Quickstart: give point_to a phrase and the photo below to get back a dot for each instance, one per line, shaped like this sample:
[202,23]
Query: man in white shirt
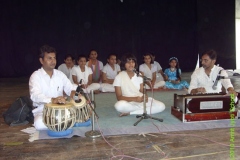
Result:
[204,79]
[46,85]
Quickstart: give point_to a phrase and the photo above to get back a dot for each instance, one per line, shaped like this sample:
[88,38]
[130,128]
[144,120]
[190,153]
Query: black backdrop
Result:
[181,28]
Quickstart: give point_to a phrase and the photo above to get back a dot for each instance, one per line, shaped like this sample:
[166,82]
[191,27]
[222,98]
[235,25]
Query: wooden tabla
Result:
[59,117]
[82,110]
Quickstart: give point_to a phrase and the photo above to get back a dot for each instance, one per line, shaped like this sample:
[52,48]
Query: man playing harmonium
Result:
[209,78]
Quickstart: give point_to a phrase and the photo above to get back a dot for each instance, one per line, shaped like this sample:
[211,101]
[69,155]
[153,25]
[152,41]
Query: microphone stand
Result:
[86,97]
[93,133]
[145,115]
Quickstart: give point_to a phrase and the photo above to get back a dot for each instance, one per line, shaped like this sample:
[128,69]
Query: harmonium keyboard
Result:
[203,107]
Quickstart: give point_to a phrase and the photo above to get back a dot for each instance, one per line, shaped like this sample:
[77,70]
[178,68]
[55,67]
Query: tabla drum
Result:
[82,110]
[59,117]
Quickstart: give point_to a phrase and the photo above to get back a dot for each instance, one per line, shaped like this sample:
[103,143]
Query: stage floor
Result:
[188,145]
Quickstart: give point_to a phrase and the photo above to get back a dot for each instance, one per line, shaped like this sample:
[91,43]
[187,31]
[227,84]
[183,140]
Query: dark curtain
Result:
[180,28]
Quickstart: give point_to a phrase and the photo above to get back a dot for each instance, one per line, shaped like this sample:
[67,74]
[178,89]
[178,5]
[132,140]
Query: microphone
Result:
[135,71]
[139,75]
[214,87]
[78,91]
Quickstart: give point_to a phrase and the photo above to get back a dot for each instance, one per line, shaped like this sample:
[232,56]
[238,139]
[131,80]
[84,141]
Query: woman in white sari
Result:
[129,90]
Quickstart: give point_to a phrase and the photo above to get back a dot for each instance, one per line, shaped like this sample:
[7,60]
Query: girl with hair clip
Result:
[129,90]
[83,74]
[149,70]
[172,76]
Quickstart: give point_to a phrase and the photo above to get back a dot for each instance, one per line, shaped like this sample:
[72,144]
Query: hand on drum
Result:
[59,100]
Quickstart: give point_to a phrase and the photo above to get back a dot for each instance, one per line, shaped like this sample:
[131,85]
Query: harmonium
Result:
[203,107]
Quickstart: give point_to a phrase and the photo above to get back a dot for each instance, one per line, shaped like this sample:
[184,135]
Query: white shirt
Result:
[42,87]
[146,70]
[135,79]
[110,73]
[82,75]
[63,67]
[67,71]
[158,65]
[200,79]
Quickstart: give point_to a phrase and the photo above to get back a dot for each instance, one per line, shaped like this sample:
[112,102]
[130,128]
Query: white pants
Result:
[93,86]
[38,119]
[157,85]
[105,87]
[137,108]
[159,77]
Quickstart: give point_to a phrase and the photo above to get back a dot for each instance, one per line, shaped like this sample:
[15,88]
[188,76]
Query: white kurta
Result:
[110,74]
[130,88]
[67,71]
[84,76]
[200,79]
[148,73]
[42,88]
[159,77]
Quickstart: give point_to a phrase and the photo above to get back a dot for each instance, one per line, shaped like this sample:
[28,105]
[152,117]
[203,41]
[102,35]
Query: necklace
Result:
[172,69]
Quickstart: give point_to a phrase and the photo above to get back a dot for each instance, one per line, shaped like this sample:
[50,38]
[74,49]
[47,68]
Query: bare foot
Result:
[185,89]
[96,91]
[124,114]
[162,87]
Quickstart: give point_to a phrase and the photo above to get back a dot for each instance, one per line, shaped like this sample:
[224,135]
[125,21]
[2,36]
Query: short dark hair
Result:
[91,51]
[125,58]
[150,55]
[69,55]
[46,49]
[82,56]
[211,53]
[111,54]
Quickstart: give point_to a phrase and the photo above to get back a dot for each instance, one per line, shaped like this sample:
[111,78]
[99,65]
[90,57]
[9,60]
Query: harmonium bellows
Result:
[200,107]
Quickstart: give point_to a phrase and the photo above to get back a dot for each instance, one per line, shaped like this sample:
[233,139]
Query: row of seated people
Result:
[94,76]
[47,84]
